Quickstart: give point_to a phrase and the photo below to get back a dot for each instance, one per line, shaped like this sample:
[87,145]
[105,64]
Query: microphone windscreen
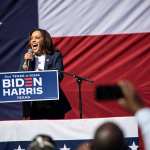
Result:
[30,50]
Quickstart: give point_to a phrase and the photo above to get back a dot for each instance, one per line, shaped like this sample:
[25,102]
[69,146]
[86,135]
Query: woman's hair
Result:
[47,46]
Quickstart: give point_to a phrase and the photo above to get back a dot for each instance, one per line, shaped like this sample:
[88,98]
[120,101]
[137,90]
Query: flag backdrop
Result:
[103,40]
[67,133]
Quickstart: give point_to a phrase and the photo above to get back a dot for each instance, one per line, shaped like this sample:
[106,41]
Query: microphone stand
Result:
[79,80]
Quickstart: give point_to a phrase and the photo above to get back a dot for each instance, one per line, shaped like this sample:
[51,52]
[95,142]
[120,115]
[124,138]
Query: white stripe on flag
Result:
[91,17]
[62,129]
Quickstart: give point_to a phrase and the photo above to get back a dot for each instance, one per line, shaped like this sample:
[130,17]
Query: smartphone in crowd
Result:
[108,92]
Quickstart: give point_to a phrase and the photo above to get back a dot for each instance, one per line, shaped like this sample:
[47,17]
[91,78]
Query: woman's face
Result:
[36,42]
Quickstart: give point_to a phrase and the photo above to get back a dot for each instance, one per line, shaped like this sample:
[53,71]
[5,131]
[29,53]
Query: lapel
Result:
[48,62]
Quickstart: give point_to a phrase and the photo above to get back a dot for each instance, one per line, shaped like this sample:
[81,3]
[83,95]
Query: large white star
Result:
[133,146]
[19,148]
[65,147]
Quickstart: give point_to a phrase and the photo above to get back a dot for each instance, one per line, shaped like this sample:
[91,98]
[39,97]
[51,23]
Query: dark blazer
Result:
[48,109]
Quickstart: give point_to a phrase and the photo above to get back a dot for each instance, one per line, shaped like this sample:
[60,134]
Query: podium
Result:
[29,86]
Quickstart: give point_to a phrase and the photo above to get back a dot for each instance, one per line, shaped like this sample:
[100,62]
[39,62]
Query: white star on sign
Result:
[19,148]
[133,146]
[65,147]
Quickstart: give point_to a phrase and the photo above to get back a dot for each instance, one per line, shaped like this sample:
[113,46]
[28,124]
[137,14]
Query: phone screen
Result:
[108,92]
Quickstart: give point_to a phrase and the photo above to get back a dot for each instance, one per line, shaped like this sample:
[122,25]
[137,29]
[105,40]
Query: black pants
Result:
[51,111]
[47,109]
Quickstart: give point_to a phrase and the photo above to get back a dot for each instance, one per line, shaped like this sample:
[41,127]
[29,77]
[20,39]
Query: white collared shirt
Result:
[39,62]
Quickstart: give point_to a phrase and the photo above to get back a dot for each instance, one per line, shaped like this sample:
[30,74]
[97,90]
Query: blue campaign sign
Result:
[29,86]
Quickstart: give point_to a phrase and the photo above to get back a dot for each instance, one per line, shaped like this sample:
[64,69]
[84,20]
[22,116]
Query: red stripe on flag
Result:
[28,82]
[28,85]
[104,59]
[28,78]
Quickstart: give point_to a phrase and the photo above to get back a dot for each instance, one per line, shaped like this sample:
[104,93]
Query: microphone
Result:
[27,61]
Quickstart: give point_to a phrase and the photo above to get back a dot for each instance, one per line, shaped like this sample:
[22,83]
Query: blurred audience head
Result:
[84,146]
[108,136]
[42,142]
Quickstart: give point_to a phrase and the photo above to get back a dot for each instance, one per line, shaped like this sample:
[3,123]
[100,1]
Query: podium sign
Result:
[29,86]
